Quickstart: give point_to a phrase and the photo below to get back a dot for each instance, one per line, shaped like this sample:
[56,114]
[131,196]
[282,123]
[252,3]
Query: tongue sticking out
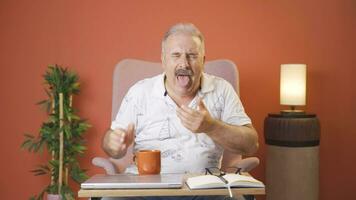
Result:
[183,81]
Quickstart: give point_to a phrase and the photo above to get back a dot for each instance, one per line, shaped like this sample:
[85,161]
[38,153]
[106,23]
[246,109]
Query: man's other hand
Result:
[197,121]
[116,142]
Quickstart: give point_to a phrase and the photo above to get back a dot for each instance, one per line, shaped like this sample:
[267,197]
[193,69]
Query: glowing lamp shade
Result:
[293,84]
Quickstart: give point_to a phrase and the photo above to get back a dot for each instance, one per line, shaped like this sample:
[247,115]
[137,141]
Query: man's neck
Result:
[180,99]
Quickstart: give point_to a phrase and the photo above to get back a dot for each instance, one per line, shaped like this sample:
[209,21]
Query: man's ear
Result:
[204,63]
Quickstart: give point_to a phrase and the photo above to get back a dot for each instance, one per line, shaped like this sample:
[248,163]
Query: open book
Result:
[233,180]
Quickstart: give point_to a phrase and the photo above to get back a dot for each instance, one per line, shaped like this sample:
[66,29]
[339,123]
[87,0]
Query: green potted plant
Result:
[61,135]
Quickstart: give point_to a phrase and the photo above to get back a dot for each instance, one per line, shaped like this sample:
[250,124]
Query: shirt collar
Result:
[158,88]
[206,85]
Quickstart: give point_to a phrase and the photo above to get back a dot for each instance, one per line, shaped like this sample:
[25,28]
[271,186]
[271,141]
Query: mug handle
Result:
[134,159]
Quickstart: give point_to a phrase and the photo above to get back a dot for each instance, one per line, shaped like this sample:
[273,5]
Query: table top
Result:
[184,191]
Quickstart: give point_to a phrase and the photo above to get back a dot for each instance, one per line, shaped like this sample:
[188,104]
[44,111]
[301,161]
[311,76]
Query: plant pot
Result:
[53,197]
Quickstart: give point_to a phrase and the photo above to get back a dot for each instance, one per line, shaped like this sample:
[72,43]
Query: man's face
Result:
[183,63]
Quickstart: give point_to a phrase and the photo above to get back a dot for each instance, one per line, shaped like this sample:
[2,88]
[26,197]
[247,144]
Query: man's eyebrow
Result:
[188,53]
[175,53]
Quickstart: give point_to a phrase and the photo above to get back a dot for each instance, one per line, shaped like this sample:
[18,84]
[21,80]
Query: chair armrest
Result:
[104,163]
[248,164]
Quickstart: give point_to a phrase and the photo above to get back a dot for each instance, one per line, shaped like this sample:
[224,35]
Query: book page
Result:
[205,181]
[242,180]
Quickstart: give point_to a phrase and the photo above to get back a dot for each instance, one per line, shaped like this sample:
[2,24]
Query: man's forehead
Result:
[178,49]
[180,41]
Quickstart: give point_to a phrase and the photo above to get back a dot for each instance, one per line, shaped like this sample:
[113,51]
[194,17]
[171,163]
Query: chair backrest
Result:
[128,71]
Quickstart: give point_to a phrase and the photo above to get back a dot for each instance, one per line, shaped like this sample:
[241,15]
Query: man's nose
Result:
[183,61]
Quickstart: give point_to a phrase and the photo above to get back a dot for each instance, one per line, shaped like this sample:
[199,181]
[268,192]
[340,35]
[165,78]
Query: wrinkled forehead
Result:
[183,42]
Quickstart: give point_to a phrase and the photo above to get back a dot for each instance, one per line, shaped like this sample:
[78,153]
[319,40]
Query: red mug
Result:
[148,161]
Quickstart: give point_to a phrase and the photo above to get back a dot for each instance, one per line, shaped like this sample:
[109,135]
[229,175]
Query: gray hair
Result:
[184,28]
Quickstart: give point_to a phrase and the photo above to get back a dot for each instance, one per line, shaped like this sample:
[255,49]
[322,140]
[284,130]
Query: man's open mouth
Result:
[183,77]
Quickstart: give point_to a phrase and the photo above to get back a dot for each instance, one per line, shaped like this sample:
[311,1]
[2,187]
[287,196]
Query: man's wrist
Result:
[214,127]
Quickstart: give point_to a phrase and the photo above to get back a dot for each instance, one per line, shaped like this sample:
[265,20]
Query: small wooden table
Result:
[184,191]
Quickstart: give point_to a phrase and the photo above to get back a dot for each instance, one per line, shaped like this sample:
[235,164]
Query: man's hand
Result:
[197,121]
[116,142]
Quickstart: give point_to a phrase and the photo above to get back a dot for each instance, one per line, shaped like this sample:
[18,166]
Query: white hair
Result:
[184,28]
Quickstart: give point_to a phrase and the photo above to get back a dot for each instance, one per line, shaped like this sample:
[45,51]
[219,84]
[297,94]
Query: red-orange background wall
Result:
[90,37]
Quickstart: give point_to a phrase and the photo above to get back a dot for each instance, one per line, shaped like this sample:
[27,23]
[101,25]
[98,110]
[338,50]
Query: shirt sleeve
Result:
[127,112]
[234,112]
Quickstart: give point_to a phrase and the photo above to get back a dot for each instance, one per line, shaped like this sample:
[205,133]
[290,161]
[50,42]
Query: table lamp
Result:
[292,138]
[293,87]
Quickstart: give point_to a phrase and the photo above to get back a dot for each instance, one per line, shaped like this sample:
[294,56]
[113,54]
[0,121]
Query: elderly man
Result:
[190,116]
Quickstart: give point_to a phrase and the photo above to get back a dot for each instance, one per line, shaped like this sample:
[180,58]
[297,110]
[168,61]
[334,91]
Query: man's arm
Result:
[116,142]
[237,139]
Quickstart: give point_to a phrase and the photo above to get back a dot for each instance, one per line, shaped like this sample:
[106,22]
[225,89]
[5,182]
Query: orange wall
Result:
[92,36]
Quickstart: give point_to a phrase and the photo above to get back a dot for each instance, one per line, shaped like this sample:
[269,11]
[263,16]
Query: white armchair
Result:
[129,71]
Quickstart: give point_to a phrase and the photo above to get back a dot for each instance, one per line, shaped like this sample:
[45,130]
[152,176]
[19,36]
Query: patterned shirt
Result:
[157,126]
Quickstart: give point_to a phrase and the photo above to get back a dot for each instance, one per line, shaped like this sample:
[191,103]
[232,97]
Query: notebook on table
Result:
[131,181]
